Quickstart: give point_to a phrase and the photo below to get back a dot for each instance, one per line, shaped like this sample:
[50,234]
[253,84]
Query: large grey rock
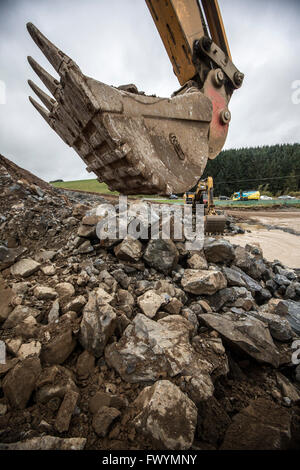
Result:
[150,302]
[47,443]
[245,333]
[161,255]
[53,314]
[149,349]
[232,297]
[166,416]
[218,250]
[59,347]
[103,419]
[19,314]
[29,349]
[287,388]
[206,282]
[20,381]
[9,256]
[129,250]
[65,290]
[53,383]
[281,280]
[6,295]
[260,294]
[66,410]
[234,278]
[293,314]
[75,305]
[25,267]
[263,425]
[252,265]
[86,231]
[279,327]
[197,261]
[125,301]
[97,325]
[44,293]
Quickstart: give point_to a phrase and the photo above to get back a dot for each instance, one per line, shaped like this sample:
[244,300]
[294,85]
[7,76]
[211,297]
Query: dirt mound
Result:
[18,173]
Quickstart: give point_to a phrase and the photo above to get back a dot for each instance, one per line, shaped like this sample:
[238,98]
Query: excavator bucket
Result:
[134,143]
[214,224]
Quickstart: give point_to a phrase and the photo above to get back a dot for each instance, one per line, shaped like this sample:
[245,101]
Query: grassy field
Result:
[86,185]
[93,185]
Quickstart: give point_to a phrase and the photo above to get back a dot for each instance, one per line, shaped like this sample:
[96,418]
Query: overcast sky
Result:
[116,42]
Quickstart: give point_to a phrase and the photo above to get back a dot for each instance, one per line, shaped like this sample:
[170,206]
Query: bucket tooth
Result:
[50,82]
[46,99]
[51,52]
[43,112]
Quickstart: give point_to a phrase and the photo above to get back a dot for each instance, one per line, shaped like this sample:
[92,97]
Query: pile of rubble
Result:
[139,344]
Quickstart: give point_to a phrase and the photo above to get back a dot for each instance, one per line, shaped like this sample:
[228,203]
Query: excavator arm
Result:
[180,23]
[145,144]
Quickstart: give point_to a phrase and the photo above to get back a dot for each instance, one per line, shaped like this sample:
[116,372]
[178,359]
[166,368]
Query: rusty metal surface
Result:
[218,128]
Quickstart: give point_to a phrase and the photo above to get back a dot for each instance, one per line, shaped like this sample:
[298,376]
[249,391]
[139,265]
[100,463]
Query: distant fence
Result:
[260,202]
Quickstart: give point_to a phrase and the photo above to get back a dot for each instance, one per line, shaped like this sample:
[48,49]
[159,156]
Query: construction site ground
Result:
[277,232]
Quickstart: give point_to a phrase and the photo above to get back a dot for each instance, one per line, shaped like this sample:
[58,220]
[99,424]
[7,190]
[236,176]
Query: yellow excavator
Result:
[144,144]
[214,222]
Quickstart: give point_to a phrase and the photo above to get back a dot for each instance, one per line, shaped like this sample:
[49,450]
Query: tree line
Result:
[274,170]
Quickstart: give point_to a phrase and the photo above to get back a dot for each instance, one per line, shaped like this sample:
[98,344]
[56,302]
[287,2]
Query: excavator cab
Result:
[144,144]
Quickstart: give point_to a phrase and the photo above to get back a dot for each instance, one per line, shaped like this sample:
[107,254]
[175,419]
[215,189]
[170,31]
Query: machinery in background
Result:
[246,196]
[214,222]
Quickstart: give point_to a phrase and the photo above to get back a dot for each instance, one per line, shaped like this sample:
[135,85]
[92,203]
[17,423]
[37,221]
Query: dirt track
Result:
[276,243]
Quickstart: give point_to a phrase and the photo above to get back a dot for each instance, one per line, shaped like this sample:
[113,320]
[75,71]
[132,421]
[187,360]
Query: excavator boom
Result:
[144,144]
